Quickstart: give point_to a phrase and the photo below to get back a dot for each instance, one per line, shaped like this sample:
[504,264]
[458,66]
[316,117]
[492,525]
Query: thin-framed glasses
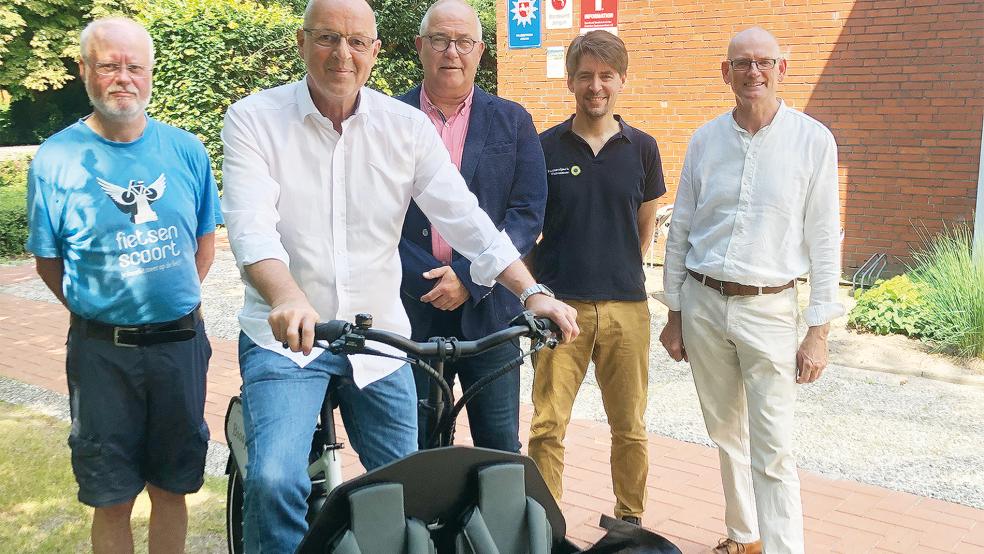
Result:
[113,68]
[742,64]
[441,43]
[331,39]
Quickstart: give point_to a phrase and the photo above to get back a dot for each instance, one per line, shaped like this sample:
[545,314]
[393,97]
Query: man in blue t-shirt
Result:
[122,212]
[603,179]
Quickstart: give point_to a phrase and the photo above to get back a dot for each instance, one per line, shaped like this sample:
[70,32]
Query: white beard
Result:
[112,112]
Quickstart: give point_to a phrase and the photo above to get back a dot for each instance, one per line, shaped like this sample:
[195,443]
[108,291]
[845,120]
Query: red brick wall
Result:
[900,84]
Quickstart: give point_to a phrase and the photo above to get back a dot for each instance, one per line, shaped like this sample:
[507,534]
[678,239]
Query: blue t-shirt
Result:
[125,218]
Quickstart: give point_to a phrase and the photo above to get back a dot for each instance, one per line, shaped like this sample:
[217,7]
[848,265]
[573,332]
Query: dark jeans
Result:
[493,414]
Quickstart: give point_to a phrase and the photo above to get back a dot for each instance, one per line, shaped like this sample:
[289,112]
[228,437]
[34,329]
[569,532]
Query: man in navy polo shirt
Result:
[122,213]
[603,180]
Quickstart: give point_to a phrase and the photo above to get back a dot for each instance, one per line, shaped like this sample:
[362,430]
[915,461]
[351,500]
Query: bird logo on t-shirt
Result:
[136,198]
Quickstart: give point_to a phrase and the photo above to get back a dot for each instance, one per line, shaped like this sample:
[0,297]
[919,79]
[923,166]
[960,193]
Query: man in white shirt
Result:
[318,176]
[757,206]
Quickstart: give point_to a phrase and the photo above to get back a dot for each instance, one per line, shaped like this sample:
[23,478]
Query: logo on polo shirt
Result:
[574,170]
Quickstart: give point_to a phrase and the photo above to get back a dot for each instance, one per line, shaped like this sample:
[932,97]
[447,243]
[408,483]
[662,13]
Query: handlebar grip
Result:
[330,330]
[546,324]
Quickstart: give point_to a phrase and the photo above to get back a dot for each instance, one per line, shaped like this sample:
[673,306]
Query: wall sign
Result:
[560,14]
[599,14]
[555,62]
[524,23]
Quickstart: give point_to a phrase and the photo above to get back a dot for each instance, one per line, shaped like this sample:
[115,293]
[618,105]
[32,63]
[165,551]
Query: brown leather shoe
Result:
[729,546]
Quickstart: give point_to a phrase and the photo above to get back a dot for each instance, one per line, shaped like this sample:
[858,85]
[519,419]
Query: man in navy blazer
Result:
[495,146]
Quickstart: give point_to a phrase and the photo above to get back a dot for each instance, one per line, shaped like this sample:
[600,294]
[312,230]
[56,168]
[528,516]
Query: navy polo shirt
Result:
[590,248]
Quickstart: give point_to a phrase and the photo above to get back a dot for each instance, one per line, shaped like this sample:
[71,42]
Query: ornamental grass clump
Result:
[954,290]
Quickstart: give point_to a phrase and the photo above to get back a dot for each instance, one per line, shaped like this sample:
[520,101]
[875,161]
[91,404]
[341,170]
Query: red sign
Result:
[599,14]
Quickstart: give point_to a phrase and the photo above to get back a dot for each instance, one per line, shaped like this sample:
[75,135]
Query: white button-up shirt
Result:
[759,210]
[331,207]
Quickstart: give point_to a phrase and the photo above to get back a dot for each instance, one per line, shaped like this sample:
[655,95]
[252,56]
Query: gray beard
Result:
[110,113]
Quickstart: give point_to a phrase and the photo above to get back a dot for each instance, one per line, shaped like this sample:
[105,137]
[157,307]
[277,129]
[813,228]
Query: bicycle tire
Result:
[234,511]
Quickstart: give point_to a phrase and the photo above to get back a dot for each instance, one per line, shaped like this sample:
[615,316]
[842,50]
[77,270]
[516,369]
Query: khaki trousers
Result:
[615,336]
[742,350]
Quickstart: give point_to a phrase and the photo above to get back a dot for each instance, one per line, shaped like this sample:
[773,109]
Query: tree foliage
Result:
[211,53]
[39,41]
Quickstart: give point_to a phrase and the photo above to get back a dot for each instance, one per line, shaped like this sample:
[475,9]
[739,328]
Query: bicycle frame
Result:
[348,339]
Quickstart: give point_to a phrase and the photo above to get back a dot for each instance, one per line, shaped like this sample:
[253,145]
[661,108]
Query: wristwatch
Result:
[535,289]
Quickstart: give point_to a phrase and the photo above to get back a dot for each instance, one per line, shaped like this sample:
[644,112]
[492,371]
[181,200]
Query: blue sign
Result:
[524,23]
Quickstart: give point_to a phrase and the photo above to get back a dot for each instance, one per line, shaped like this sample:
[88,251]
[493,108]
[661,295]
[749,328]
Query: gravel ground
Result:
[904,433]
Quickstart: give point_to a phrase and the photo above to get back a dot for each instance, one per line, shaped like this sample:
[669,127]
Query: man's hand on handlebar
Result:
[563,315]
[292,322]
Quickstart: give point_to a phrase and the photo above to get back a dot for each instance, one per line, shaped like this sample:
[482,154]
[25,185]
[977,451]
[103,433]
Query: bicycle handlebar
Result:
[333,331]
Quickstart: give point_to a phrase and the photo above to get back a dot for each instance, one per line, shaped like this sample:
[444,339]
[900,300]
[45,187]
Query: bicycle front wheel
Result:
[234,510]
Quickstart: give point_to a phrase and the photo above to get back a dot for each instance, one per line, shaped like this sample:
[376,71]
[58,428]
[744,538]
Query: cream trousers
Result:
[742,350]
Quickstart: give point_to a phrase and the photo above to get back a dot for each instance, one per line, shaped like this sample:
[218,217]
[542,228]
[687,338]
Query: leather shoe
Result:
[730,546]
[634,520]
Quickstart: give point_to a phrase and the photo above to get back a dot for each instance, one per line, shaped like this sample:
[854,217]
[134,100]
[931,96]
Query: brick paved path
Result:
[685,500]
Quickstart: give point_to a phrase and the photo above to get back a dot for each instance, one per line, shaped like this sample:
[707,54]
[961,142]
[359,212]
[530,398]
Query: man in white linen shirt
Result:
[318,176]
[757,206]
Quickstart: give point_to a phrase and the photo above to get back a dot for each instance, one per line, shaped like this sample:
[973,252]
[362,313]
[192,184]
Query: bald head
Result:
[452,9]
[354,11]
[754,69]
[112,29]
[754,38]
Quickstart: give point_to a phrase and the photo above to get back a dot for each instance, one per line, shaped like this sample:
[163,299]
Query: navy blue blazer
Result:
[503,165]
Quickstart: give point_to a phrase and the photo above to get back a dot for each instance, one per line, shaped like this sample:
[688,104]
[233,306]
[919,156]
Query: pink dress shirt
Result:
[453,131]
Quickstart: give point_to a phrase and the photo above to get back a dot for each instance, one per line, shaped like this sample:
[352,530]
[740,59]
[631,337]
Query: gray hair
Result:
[425,22]
[95,25]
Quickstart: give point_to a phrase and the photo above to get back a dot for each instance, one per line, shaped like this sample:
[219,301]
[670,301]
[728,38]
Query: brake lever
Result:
[349,343]
[536,333]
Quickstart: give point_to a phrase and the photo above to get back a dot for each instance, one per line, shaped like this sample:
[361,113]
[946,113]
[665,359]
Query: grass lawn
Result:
[39,510]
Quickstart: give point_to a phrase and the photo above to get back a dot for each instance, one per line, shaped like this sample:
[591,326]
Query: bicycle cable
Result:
[484,382]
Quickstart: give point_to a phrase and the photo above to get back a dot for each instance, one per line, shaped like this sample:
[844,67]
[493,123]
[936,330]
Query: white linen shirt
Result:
[759,210]
[331,207]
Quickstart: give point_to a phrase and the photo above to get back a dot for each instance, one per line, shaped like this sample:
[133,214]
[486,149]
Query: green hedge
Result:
[13,206]
[211,53]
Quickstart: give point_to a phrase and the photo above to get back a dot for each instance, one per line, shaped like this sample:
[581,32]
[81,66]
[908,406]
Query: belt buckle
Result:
[116,336]
[721,288]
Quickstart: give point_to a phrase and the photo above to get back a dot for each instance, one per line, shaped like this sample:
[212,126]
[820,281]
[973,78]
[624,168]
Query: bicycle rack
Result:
[868,274]
[662,228]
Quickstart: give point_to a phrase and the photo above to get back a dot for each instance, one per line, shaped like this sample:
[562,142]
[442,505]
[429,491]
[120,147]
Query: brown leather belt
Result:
[181,329]
[728,288]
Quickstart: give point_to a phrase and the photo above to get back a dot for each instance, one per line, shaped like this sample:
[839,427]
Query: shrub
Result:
[13,206]
[954,290]
[895,306]
[211,53]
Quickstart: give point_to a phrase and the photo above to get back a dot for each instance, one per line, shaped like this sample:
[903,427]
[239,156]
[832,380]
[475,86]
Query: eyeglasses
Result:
[331,39]
[112,68]
[742,64]
[441,43]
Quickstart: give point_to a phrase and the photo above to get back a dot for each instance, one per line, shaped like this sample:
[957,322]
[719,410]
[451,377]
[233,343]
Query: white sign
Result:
[555,62]
[560,14]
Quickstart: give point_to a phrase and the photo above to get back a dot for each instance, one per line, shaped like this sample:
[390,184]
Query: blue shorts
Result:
[137,416]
